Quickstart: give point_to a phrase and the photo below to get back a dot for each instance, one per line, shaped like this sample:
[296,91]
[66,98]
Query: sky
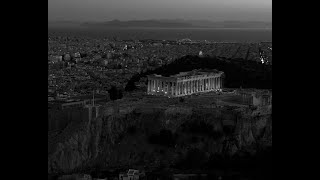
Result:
[105,10]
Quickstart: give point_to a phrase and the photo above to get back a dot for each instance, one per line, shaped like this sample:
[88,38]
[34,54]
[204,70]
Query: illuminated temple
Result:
[185,83]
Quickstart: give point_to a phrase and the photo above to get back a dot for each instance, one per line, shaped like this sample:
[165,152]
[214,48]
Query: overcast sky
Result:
[103,10]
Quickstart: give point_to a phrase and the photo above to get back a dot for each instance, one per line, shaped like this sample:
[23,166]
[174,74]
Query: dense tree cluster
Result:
[115,93]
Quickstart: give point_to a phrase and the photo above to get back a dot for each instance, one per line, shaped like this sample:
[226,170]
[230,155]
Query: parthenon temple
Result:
[185,83]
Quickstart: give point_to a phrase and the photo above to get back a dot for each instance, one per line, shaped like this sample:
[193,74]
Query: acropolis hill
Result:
[213,121]
[133,130]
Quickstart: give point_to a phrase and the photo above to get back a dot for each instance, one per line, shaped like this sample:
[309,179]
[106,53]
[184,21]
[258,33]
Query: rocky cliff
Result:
[141,134]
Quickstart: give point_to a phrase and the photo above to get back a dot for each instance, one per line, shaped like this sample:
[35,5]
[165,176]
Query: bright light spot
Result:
[262,60]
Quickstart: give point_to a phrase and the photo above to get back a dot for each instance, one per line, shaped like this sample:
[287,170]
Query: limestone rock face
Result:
[120,137]
[76,148]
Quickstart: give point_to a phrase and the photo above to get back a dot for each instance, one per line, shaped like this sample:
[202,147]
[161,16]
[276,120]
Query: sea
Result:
[209,34]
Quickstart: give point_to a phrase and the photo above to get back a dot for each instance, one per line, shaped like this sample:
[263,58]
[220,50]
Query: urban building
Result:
[185,83]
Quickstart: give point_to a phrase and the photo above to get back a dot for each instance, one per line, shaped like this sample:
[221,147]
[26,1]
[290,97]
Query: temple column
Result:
[212,83]
[202,84]
[192,86]
[149,85]
[216,83]
[162,86]
[183,88]
[186,88]
[172,90]
[207,84]
[155,85]
[197,82]
[175,88]
[167,87]
[213,87]
[196,87]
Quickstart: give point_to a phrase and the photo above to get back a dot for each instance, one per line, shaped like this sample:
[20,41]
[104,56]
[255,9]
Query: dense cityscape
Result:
[78,66]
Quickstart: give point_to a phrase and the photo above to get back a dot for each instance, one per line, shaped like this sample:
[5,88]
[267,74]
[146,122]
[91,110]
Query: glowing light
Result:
[262,60]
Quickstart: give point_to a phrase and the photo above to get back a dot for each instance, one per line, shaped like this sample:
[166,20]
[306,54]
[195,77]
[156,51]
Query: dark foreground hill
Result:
[157,132]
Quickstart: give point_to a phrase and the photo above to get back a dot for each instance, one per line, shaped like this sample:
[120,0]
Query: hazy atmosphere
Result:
[105,10]
[159,90]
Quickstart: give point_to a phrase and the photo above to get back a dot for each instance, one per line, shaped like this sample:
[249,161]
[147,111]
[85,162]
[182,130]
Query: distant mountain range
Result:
[164,23]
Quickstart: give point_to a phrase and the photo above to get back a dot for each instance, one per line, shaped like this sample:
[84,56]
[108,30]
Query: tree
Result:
[115,93]
[130,86]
